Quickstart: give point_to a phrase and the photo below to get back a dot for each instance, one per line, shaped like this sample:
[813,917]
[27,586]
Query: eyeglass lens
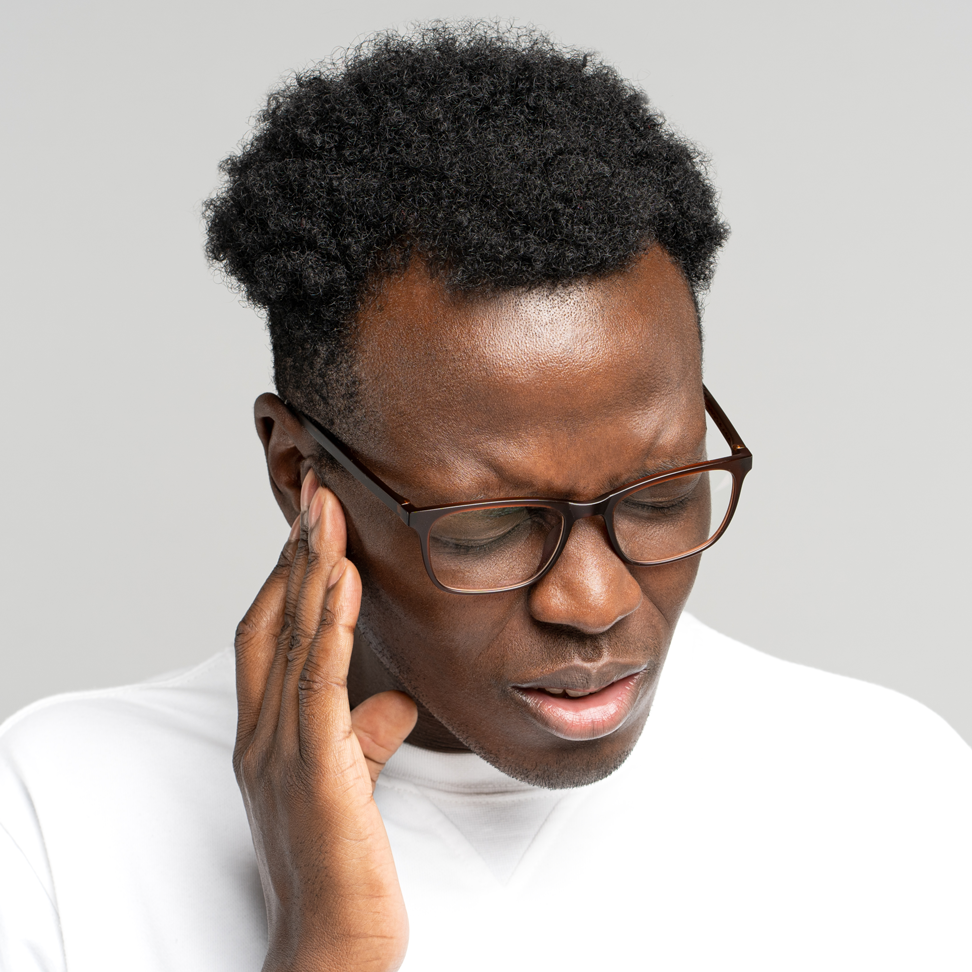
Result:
[475,550]
[671,518]
[500,547]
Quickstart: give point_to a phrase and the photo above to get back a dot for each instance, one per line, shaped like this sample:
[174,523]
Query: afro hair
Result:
[501,159]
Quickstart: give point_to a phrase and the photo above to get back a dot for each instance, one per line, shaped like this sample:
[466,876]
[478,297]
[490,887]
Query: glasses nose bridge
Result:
[584,511]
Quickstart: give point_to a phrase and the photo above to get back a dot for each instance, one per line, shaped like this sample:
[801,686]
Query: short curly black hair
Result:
[502,159]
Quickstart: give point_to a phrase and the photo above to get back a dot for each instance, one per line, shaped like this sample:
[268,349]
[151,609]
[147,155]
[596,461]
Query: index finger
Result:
[256,637]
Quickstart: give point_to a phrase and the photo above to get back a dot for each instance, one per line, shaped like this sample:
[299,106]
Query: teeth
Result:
[570,692]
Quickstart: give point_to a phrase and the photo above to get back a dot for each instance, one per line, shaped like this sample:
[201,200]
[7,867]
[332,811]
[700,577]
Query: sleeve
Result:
[30,931]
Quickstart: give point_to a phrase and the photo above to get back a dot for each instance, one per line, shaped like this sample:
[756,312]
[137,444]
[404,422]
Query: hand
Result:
[307,764]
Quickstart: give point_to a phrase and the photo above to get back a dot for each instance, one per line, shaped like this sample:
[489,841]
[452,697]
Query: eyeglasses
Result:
[500,545]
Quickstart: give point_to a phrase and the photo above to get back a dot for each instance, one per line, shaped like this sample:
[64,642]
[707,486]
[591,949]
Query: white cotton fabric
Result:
[771,817]
[498,816]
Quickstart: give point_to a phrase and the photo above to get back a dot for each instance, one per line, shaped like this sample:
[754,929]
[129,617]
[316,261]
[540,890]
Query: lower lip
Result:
[589,717]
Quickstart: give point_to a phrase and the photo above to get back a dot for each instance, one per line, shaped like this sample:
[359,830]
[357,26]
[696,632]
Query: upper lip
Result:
[583,678]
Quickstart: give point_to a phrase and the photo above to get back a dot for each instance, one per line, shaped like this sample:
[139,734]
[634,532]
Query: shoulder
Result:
[203,691]
[754,693]
[123,803]
[806,744]
[108,738]
[806,799]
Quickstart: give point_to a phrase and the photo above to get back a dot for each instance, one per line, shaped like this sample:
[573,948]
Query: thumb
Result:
[381,724]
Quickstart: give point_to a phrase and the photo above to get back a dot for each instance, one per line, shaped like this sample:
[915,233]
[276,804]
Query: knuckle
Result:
[246,631]
[328,619]
[280,574]
[331,624]
[245,765]
[315,680]
[287,638]
[238,768]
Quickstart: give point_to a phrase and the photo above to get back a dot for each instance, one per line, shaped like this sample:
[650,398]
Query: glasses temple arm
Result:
[336,449]
[723,423]
[401,506]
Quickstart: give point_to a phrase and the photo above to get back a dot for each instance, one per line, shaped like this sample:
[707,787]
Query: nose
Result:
[588,588]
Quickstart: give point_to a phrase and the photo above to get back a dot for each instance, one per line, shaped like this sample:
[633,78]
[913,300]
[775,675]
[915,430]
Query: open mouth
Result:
[570,693]
[572,713]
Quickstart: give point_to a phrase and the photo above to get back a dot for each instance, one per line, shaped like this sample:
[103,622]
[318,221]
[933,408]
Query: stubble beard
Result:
[570,765]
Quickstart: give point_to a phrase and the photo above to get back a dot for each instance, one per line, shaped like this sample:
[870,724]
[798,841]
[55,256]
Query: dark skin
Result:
[567,393]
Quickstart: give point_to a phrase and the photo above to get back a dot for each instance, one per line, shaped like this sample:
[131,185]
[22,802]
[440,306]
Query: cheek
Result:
[668,587]
[446,648]
[415,627]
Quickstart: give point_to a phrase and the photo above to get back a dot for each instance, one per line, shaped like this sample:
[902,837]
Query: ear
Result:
[288,449]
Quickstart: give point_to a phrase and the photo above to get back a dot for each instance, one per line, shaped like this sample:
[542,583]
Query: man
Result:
[481,260]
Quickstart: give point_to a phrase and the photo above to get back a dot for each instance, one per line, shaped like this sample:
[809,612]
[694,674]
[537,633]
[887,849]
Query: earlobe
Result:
[287,448]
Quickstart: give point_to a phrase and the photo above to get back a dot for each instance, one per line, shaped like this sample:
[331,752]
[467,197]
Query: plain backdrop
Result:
[136,520]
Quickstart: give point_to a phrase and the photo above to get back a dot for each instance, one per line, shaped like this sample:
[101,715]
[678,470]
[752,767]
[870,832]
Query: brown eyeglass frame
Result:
[738,464]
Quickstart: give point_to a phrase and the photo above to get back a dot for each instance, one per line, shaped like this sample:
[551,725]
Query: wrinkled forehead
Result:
[567,355]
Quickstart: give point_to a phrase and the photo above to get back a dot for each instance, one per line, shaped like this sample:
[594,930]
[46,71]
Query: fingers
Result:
[272,697]
[326,543]
[324,713]
[294,647]
[256,639]
[381,724]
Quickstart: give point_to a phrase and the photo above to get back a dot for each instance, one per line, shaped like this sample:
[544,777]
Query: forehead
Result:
[518,387]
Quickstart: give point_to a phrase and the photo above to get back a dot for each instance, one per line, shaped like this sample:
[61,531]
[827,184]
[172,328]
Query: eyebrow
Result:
[657,468]
[523,489]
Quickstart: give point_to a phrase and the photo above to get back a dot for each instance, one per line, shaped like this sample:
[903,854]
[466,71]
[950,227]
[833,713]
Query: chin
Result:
[564,767]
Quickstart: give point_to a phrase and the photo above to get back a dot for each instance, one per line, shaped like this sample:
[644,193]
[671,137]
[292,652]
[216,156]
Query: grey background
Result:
[136,522]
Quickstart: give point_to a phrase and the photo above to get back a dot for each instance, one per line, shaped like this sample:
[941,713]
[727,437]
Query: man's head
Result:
[481,259]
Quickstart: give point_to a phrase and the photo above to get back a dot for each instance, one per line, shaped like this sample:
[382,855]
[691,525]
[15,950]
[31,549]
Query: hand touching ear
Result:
[307,764]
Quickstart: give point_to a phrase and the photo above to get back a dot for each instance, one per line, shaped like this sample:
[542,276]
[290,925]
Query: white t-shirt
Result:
[771,817]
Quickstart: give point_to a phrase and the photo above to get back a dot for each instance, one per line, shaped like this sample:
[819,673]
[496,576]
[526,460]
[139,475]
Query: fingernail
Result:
[307,489]
[334,516]
[337,572]
[295,528]
[316,505]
